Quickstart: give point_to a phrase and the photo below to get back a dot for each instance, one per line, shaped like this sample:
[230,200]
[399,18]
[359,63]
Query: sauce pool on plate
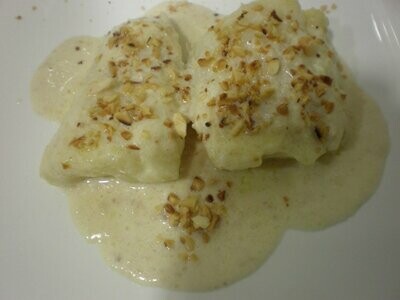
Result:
[210,227]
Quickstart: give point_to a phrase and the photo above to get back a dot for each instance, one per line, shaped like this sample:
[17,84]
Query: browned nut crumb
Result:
[283,109]
[170,244]
[173,199]
[328,106]
[169,209]
[201,222]
[275,16]
[112,67]
[124,117]
[180,124]
[168,123]
[221,195]
[210,198]
[126,135]
[133,147]
[273,66]
[197,184]
[65,165]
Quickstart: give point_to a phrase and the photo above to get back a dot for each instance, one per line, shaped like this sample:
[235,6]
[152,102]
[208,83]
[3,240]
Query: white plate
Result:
[42,256]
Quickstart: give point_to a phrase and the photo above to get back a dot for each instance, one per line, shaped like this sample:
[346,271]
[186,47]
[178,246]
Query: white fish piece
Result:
[267,84]
[117,126]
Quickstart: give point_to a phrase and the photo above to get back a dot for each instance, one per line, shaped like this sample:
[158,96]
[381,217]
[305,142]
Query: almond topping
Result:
[170,244]
[197,184]
[112,67]
[179,124]
[200,222]
[275,16]
[65,166]
[190,203]
[204,62]
[169,209]
[283,109]
[133,147]
[273,66]
[221,195]
[126,135]
[173,199]
[329,106]
[124,117]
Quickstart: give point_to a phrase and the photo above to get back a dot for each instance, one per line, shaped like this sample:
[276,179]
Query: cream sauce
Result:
[129,229]
[58,79]
[126,222]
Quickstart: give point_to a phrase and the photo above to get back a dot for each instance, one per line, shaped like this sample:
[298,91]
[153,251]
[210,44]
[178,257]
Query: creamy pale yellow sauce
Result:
[55,84]
[126,223]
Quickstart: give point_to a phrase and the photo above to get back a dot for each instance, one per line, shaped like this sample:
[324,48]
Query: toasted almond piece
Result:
[200,222]
[224,85]
[183,209]
[112,67]
[65,165]
[295,25]
[320,89]
[283,109]
[219,65]
[273,66]
[169,209]
[170,244]
[133,147]
[126,135]
[275,16]
[212,102]
[146,111]
[221,195]
[174,220]
[180,125]
[109,131]
[197,184]
[173,199]
[210,198]
[268,93]
[124,117]
[168,123]
[204,62]
[214,221]
[190,203]
[329,106]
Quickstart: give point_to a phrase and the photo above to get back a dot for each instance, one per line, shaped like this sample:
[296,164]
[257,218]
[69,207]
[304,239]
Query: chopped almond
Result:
[197,184]
[124,117]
